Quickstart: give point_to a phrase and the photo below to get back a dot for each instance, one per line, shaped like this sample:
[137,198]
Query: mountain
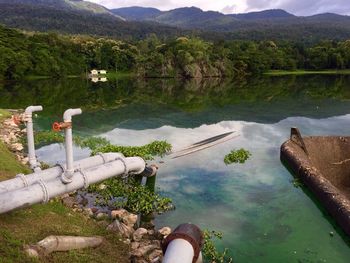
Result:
[265,14]
[186,17]
[56,16]
[71,5]
[82,17]
[274,24]
[136,13]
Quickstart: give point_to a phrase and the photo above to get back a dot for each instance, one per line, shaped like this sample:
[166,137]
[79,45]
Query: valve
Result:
[17,119]
[58,126]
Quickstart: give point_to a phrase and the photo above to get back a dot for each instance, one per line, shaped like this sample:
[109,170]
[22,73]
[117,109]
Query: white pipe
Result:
[67,118]
[179,251]
[21,180]
[28,118]
[43,191]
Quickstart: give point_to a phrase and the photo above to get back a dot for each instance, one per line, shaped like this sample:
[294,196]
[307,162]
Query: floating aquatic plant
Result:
[237,156]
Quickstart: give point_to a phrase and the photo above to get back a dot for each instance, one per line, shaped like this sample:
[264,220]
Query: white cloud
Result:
[305,7]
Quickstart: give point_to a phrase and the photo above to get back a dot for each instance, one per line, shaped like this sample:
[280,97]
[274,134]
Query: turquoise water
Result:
[264,218]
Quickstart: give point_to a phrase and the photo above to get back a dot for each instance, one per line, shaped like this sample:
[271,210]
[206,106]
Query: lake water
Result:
[264,218]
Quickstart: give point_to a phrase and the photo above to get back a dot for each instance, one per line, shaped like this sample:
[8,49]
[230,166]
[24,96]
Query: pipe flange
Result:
[103,157]
[45,191]
[61,165]
[23,178]
[86,179]
[126,171]
[190,233]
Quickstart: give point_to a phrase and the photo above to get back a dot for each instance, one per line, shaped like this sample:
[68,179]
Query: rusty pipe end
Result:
[190,233]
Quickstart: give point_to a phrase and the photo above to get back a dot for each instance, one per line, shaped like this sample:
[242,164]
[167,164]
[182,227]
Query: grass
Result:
[306,72]
[30,225]
[4,114]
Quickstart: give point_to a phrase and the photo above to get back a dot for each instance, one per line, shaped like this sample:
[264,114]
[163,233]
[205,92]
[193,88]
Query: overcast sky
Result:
[298,7]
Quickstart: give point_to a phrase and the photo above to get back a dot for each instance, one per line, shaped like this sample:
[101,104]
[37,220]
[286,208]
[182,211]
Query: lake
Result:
[263,216]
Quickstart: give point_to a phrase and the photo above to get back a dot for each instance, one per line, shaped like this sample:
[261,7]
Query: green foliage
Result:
[42,138]
[209,250]
[136,198]
[92,143]
[146,152]
[238,156]
[56,55]
[99,144]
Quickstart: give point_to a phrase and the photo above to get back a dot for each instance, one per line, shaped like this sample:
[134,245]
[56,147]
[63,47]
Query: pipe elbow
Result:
[67,115]
[135,165]
[31,109]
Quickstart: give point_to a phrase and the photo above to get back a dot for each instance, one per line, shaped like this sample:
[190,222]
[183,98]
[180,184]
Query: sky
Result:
[297,7]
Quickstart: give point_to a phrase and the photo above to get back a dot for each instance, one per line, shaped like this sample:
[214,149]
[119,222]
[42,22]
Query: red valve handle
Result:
[56,126]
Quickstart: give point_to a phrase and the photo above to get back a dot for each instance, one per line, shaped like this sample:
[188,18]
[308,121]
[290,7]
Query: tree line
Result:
[54,55]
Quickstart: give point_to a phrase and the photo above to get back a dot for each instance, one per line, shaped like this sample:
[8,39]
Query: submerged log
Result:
[62,243]
[321,163]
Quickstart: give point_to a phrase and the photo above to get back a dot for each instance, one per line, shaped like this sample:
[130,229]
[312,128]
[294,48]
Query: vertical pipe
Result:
[28,118]
[151,183]
[67,118]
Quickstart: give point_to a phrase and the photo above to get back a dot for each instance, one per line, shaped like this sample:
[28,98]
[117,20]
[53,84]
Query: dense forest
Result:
[50,54]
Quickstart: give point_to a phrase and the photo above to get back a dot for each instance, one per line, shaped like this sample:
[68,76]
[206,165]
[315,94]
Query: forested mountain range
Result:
[82,17]
[58,16]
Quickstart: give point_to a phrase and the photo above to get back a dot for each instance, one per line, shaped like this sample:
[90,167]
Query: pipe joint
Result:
[66,177]
[67,115]
[29,110]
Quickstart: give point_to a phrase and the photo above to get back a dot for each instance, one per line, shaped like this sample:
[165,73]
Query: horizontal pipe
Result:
[179,251]
[48,174]
[183,245]
[43,191]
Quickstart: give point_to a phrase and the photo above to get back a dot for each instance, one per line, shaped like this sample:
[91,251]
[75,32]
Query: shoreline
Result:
[306,72]
[125,240]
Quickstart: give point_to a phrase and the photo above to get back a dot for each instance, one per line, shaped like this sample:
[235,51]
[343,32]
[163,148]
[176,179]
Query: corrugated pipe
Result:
[183,245]
[28,119]
[41,191]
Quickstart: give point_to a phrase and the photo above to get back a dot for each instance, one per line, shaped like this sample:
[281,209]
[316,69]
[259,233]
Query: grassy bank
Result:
[27,226]
[307,72]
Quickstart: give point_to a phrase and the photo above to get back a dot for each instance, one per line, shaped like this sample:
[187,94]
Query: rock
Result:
[69,201]
[31,252]
[155,256]
[164,231]
[120,228]
[139,233]
[94,209]
[101,216]
[17,146]
[135,245]
[25,160]
[117,214]
[143,250]
[130,219]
